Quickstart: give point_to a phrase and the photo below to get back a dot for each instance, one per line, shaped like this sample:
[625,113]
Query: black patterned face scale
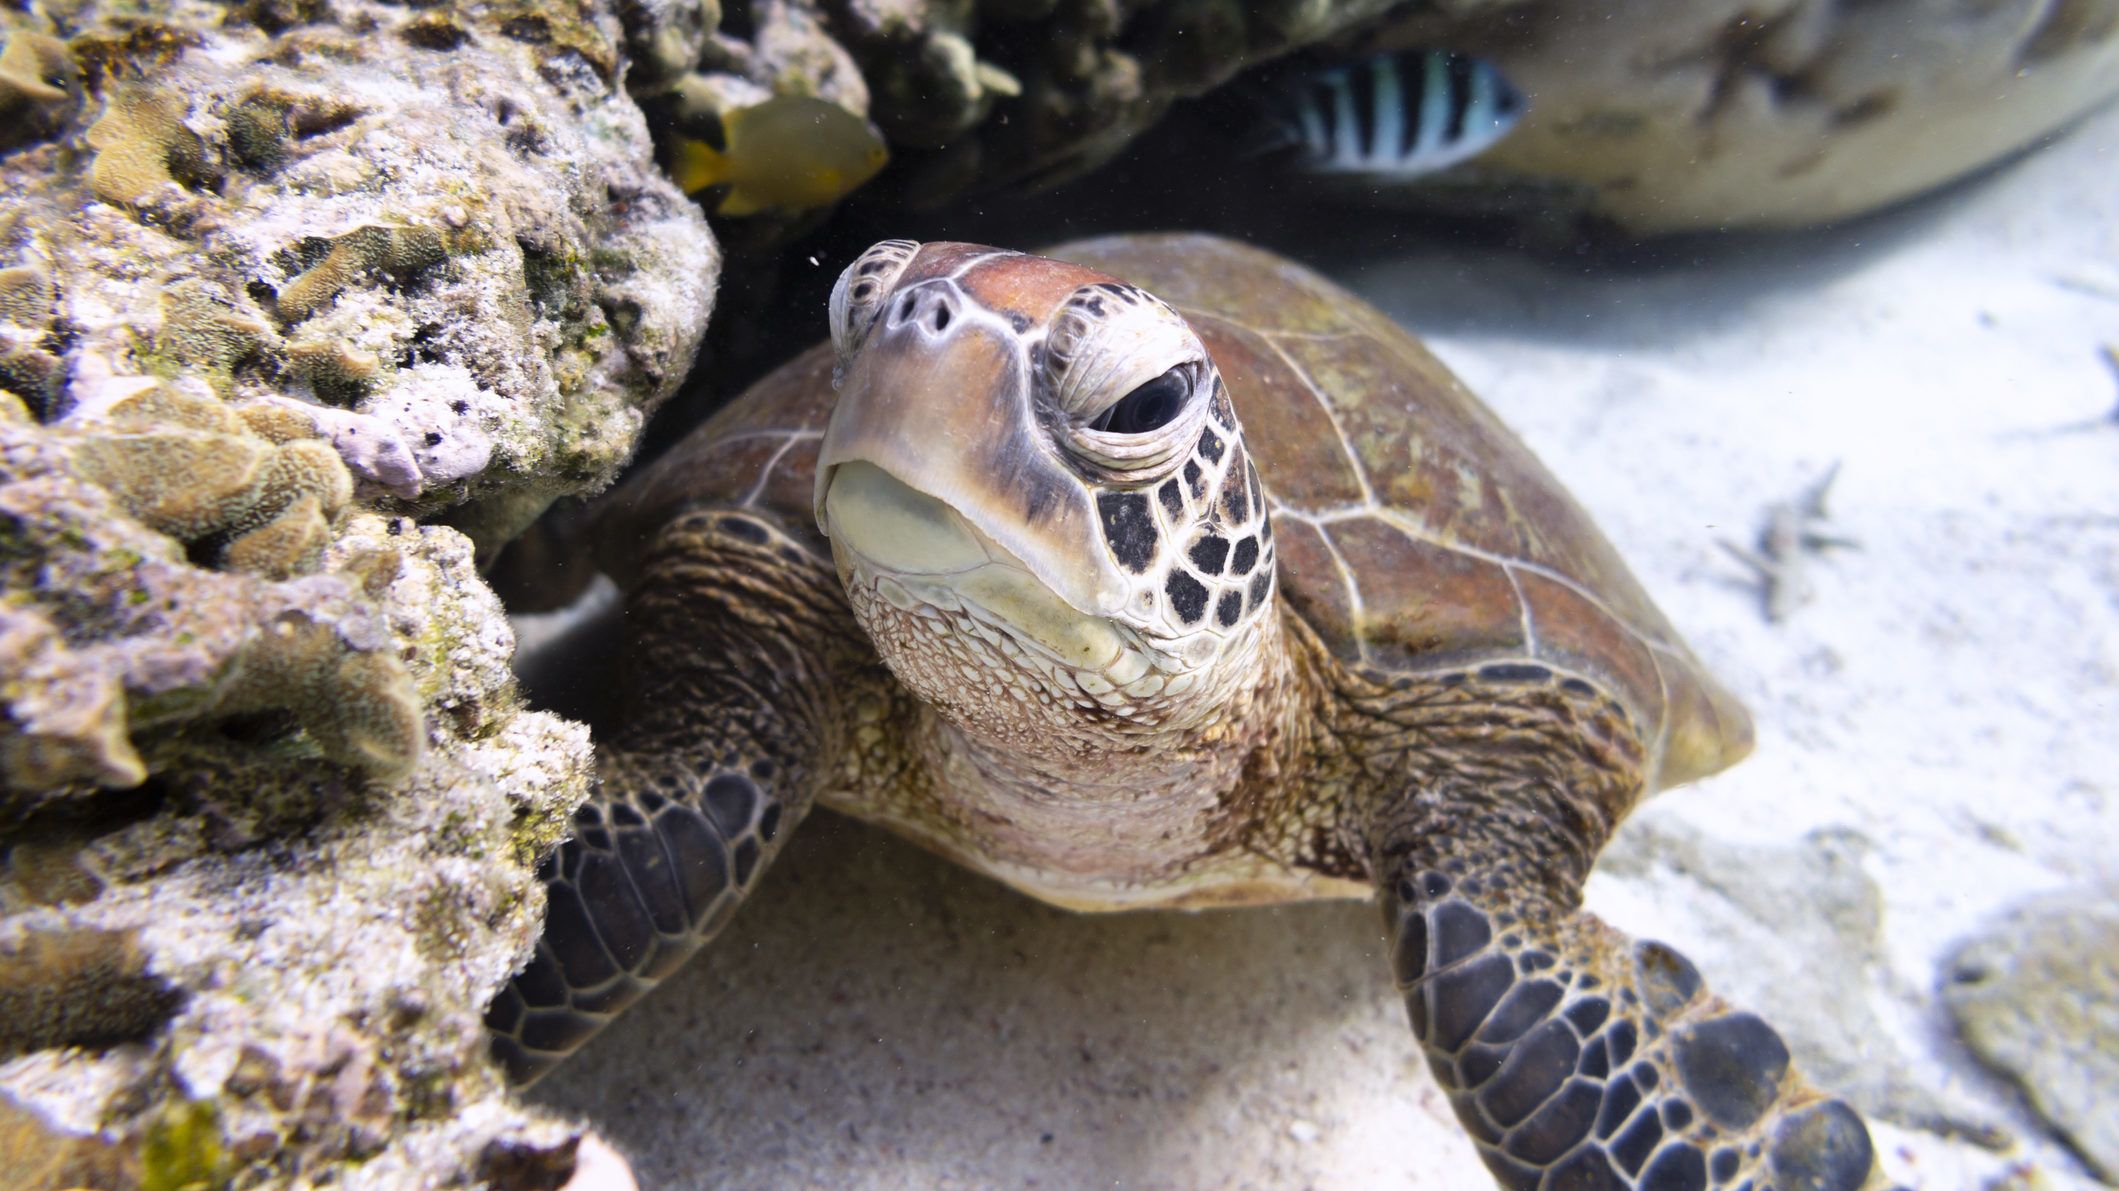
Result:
[1107,519]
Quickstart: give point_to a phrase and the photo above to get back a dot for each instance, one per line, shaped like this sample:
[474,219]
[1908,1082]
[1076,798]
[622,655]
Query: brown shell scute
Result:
[760,451]
[1416,532]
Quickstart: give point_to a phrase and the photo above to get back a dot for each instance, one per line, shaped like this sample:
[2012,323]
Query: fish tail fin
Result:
[696,165]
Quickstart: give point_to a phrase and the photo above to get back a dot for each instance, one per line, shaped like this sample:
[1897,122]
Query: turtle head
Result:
[1034,476]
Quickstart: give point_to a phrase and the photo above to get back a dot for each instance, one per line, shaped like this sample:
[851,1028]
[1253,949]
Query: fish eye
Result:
[1149,407]
[1508,100]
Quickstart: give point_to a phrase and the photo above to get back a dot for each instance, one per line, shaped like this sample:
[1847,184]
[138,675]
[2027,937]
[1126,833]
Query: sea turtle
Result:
[1164,573]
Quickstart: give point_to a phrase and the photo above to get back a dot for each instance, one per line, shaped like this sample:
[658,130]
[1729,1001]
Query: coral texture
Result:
[289,950]
[283,286]
[436,235]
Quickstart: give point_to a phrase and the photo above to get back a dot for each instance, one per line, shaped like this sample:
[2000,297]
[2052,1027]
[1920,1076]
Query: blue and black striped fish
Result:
[1397,115]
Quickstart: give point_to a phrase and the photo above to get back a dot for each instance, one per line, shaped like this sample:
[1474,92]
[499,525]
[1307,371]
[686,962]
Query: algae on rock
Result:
[466,241]
[281,284]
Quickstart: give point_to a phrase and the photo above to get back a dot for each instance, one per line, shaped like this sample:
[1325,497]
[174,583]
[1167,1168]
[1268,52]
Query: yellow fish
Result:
[791,152]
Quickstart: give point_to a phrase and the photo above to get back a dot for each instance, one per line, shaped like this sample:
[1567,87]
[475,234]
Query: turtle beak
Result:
[938,399]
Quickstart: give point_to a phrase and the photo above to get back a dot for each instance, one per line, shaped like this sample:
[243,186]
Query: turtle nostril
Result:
[929,307]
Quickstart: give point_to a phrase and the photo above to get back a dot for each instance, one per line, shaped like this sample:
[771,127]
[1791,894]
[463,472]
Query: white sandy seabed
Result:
[1936,741]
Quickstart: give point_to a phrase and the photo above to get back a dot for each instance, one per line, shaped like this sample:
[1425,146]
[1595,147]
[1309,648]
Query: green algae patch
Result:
[182,1150]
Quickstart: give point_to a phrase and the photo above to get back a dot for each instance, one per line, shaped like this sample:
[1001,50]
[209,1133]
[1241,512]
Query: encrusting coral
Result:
[116,629]
[83,987]
[141,144]
[283,285]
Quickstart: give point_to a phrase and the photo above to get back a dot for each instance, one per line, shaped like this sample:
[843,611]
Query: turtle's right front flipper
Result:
[738,647]
[1577,1057]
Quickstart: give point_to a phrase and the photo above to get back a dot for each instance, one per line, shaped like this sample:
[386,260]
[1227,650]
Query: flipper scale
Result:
[713,768]
[1576,1056]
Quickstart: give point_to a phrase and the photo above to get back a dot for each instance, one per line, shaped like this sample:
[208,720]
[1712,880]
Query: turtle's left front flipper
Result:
[1577,1056]
[739,650]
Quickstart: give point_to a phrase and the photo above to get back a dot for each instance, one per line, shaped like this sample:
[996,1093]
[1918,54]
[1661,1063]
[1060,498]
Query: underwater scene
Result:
[1059,593]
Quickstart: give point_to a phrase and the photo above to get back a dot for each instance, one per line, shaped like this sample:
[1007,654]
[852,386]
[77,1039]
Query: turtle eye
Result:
[1148,407]
[1126,376]
[859,295]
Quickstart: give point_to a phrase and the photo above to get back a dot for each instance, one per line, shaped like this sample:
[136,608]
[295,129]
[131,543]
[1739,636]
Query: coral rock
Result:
[68,713]
[120,631]
[2036,995]
[281,282]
